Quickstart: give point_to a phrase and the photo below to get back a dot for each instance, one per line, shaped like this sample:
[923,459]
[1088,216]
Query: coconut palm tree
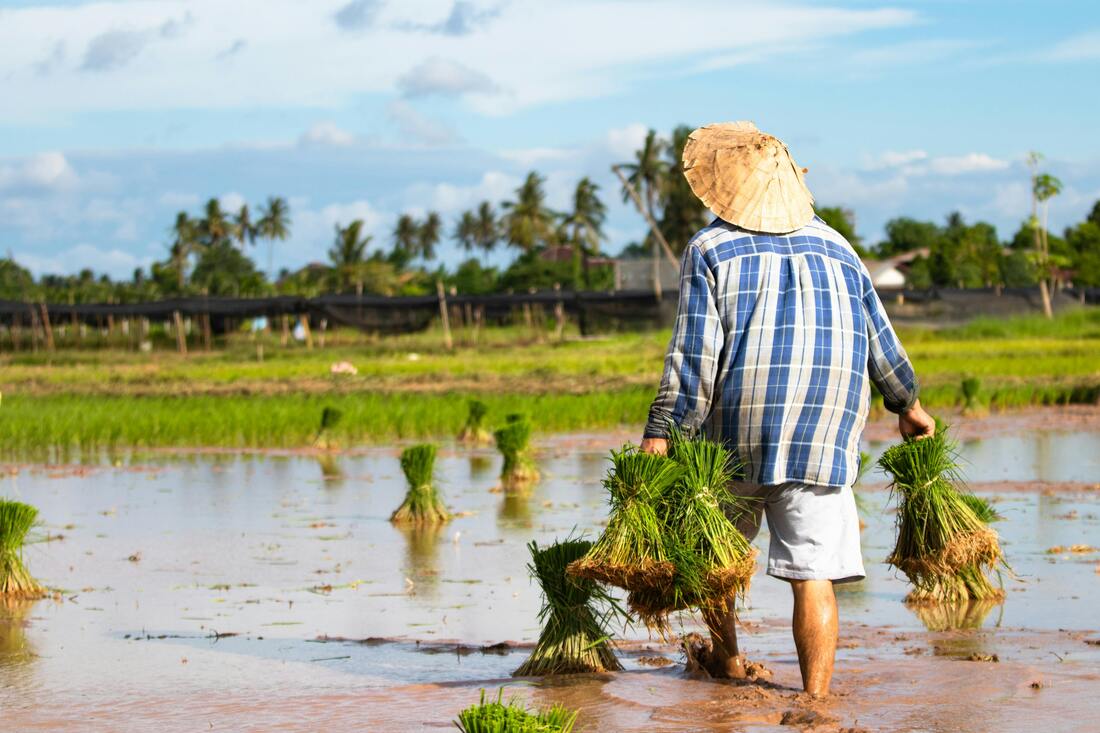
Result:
[682,213]
[465,232]
[184,242]
[347,254]
[274,224]
[244,229]
[406,235]
[585,222]
[487,229]
[648,171]
[214,226]
[428,234]
[528,224]
[1044,187]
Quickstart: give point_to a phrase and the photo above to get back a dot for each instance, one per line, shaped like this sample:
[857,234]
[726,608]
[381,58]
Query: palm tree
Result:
[184,242]
[465,232]
[648,171]
[682,213]
[243,227]
[348,253]
[584,225]
[1044,187]
[274,224]
[487,230]
[428,234]
[215,225]
[406,234]
[528,223]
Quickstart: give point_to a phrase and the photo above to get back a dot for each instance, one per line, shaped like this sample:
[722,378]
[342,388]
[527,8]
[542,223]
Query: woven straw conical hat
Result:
[747,178]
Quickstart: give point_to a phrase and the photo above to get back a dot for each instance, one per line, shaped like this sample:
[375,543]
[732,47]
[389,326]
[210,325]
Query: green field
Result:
[411,387]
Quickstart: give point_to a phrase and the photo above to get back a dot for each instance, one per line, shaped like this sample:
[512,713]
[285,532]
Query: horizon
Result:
[131,111]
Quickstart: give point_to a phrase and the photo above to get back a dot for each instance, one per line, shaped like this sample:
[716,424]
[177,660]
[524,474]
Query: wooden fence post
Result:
[284,339]
[46,326]
[181,337]
[559,314]
[303,321]
[447,343]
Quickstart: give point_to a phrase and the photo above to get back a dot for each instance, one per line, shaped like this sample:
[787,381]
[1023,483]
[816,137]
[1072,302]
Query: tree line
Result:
[211,252]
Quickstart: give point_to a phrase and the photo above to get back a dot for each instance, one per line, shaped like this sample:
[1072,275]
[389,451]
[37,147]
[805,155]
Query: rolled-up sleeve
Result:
[887,363]
[686,392]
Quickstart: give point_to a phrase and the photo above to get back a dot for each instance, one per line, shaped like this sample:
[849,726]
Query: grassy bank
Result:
[409,387]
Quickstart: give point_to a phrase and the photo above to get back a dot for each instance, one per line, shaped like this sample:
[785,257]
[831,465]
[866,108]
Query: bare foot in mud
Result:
[701,658]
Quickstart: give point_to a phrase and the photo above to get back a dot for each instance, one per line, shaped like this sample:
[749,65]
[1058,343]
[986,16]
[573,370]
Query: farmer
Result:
[778,337]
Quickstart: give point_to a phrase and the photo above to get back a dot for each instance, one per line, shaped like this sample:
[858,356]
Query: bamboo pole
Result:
[46,326]
[559,314]
[303,320]
[207,332]
[284,338]
[181,337]
[447,342]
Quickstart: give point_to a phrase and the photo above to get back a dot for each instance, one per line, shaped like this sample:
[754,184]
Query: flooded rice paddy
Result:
[270,592]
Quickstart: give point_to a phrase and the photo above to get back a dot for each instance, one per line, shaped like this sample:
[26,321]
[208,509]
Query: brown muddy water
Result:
[269,592]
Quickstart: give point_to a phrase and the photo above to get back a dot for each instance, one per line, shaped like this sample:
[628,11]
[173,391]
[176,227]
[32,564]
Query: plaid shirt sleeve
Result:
[887,363]
[687,386]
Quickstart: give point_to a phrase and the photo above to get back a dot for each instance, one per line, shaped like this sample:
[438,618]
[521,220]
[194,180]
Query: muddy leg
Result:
[725,661]
[815,633]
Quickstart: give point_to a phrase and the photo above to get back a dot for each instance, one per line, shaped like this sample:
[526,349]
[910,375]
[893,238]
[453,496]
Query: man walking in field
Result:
[778,337]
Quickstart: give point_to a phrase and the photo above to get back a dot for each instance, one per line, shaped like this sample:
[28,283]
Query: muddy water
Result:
[264,592]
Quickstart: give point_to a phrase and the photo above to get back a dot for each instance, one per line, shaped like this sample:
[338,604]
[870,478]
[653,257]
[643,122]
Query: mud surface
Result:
[269,592]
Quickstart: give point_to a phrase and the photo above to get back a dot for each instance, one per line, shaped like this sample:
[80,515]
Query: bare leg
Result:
[725,660]
[815,633]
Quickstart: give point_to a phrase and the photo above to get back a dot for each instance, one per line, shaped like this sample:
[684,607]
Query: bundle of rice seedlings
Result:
[632,553]
[330,417]
[971,386]
[574,614]
[513,442]
[496,716]
[943,546]
[474,431]
[714,561]
[16,519]
[422,504]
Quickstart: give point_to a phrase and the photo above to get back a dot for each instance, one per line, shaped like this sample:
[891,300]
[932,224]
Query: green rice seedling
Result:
[473,431]
[574,615]
[330,417]
[971,387]
[633,553]
[496,716]
[16,520]
[513,441]
[714,561]
[422,503]
[943,546]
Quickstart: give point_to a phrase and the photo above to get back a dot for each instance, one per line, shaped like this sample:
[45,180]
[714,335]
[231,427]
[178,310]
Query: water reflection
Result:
[955,616]
[515,511]
[422,552]
[332,472]
[15,650]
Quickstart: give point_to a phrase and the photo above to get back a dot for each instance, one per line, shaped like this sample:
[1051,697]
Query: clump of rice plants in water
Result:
[16,520]
[496,716]
[971,387]
[714,561]
[422,504]
[513,442]
[574,615]
[632,552]
[944,544]
[474,430]
[330,418]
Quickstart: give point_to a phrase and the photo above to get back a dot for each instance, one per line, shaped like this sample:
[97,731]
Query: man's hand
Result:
[655,445]
[916,423]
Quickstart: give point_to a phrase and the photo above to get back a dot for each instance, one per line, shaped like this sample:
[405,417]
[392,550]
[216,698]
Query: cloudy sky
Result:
[116,114]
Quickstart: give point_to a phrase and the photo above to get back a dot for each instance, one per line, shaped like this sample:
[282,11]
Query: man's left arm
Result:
[691,364]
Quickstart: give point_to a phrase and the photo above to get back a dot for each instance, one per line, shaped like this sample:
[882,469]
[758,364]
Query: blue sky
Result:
[116,114]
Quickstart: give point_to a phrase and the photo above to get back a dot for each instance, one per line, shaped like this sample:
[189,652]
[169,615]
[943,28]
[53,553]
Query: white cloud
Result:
[624,141]
[326,133]
[445,78]
[449,198]
[521,49]
[530,157]
[49,171]
[894,159]
[417,128]
[969,163]
[232,201]
[313,230]
[1081,47]
[115,262]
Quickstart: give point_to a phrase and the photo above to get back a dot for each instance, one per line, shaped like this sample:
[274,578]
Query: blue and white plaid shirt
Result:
[776,341]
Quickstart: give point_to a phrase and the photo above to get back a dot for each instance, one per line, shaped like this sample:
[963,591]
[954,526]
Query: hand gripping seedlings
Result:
[574,614]
[714,561]
[513,441]
[632,553]
[422,504]
[16,519]
[944,544]
[330,417]
[496,716]
[474,431]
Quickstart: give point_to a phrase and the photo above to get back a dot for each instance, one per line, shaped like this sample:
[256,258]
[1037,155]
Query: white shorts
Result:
[814,530]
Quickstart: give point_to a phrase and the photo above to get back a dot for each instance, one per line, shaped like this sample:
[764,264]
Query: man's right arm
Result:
[890,369]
